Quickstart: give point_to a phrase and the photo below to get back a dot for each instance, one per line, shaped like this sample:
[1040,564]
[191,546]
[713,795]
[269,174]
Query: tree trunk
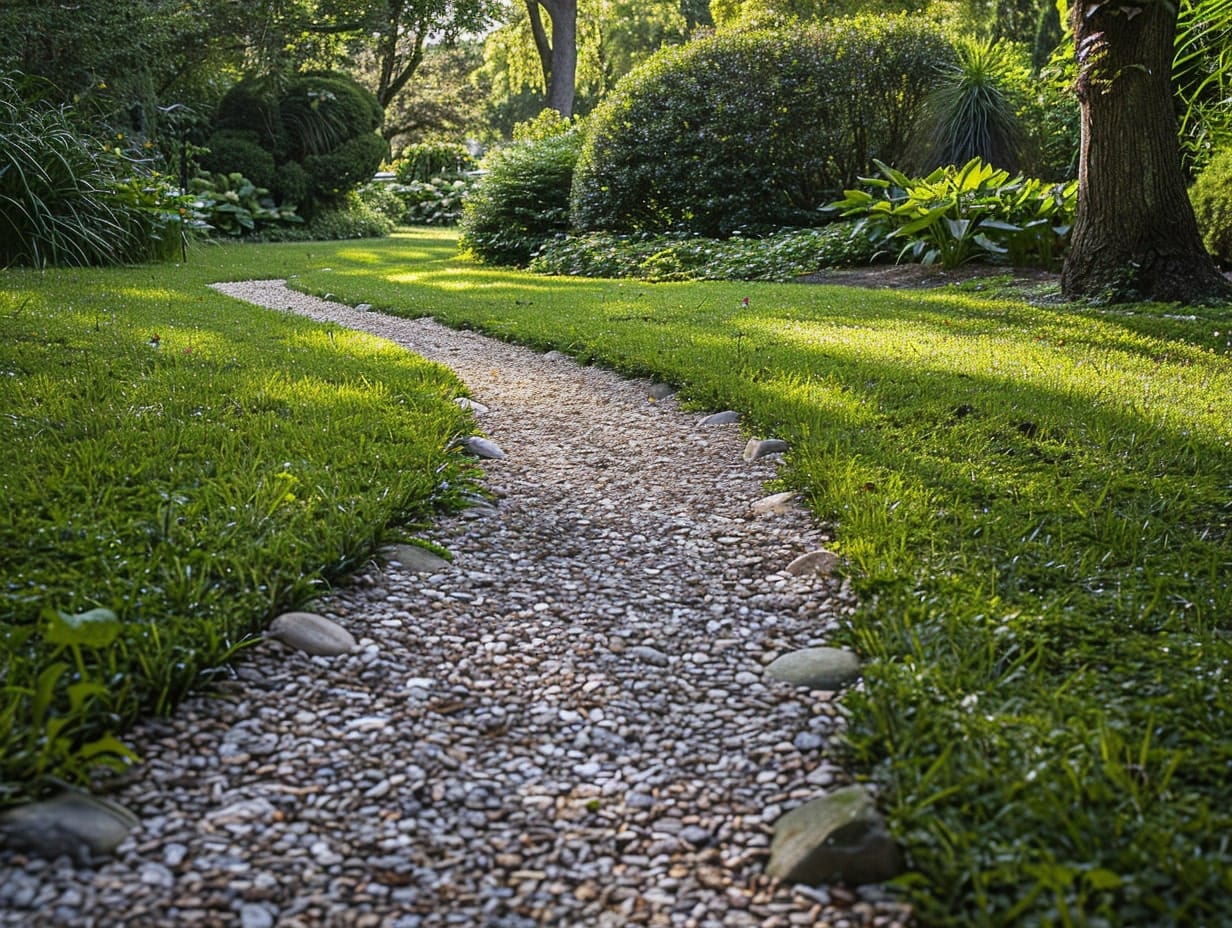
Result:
[1135,236]
[559,60]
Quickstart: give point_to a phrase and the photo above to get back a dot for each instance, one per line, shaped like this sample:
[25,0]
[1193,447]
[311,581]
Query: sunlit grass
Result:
[1036,504]
[193,485]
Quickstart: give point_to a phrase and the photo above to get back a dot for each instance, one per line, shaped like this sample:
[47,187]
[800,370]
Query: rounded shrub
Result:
[291,184]
[239,151]
[754,130]
[337,172]
[1211,195]
[321,112]
[251,108]
[522,200]
[310,143]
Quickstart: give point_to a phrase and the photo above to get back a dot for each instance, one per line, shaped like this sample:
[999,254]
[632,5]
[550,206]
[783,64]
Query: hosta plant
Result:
[958,214]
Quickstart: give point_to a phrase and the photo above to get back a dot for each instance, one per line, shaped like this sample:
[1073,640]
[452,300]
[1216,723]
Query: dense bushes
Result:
[1211,196]
[68,199]
[522,200]
[785,255]
[311,142]
[753,130]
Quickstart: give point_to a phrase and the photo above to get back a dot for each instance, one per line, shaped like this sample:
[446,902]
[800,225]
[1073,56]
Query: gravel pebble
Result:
[568,725]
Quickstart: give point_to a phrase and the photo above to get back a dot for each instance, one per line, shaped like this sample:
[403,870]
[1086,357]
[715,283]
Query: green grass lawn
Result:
[191,490]
[1035,503]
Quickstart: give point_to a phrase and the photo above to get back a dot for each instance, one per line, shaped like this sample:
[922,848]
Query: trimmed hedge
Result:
[310,143]
[756,130]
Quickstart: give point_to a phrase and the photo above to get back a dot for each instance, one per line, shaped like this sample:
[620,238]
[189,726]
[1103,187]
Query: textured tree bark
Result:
[1135,236]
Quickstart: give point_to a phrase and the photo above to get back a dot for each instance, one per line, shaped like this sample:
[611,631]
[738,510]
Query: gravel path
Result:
[568,727]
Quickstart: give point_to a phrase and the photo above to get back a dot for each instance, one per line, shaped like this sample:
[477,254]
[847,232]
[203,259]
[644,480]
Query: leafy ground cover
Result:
[177,467]
[1036,504]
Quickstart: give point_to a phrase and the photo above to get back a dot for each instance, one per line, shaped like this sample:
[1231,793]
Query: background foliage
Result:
[752,130]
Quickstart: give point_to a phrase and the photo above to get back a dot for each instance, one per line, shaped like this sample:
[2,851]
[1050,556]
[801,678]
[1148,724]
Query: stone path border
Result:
[570,725]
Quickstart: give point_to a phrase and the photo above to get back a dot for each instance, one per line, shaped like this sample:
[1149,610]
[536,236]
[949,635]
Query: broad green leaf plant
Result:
[960,214]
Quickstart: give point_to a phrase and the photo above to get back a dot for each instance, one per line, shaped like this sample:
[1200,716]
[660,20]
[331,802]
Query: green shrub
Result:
[352,218]
[754,130]
[383,198]
[1211,196]
[522,200]
[233,205]
[334,174]
[68,199]
[972,110]
[252,107]
[426,160]
[237,151]
[319,136]
[291,184]
[320,112]
[436,202]
[782,256]
[956,214]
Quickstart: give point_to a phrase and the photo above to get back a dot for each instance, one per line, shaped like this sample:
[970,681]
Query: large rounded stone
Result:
[778,503]
[816,668]
[820,561]
[471,405]
[726,417]
[483,448]
[416,559]
[76,824]
[312,634]
[839,838]
[760,447]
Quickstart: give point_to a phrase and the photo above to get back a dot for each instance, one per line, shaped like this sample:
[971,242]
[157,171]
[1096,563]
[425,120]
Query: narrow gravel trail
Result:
[569,726]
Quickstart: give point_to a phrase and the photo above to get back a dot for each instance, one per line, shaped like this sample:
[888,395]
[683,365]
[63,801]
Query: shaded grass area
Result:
[162,502]
[1036,503]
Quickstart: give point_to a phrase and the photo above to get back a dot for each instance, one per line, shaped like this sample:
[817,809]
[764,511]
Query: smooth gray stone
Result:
[312,634]
[483,448]
[817,668]
[820,561]
[473,405]
[726,417]
[363,307]
[416,559]
[778,503]
[77,824]
[661,391]
[839,838]
[760,447]
[649,655]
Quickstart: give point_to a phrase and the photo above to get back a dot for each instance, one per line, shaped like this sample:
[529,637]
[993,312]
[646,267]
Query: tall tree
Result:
[557,52]
[1135,234]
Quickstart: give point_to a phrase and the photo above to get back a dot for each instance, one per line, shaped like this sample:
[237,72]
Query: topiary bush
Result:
[239,151]
[522,200]
[310,143]
[1211,196]
[754,130]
